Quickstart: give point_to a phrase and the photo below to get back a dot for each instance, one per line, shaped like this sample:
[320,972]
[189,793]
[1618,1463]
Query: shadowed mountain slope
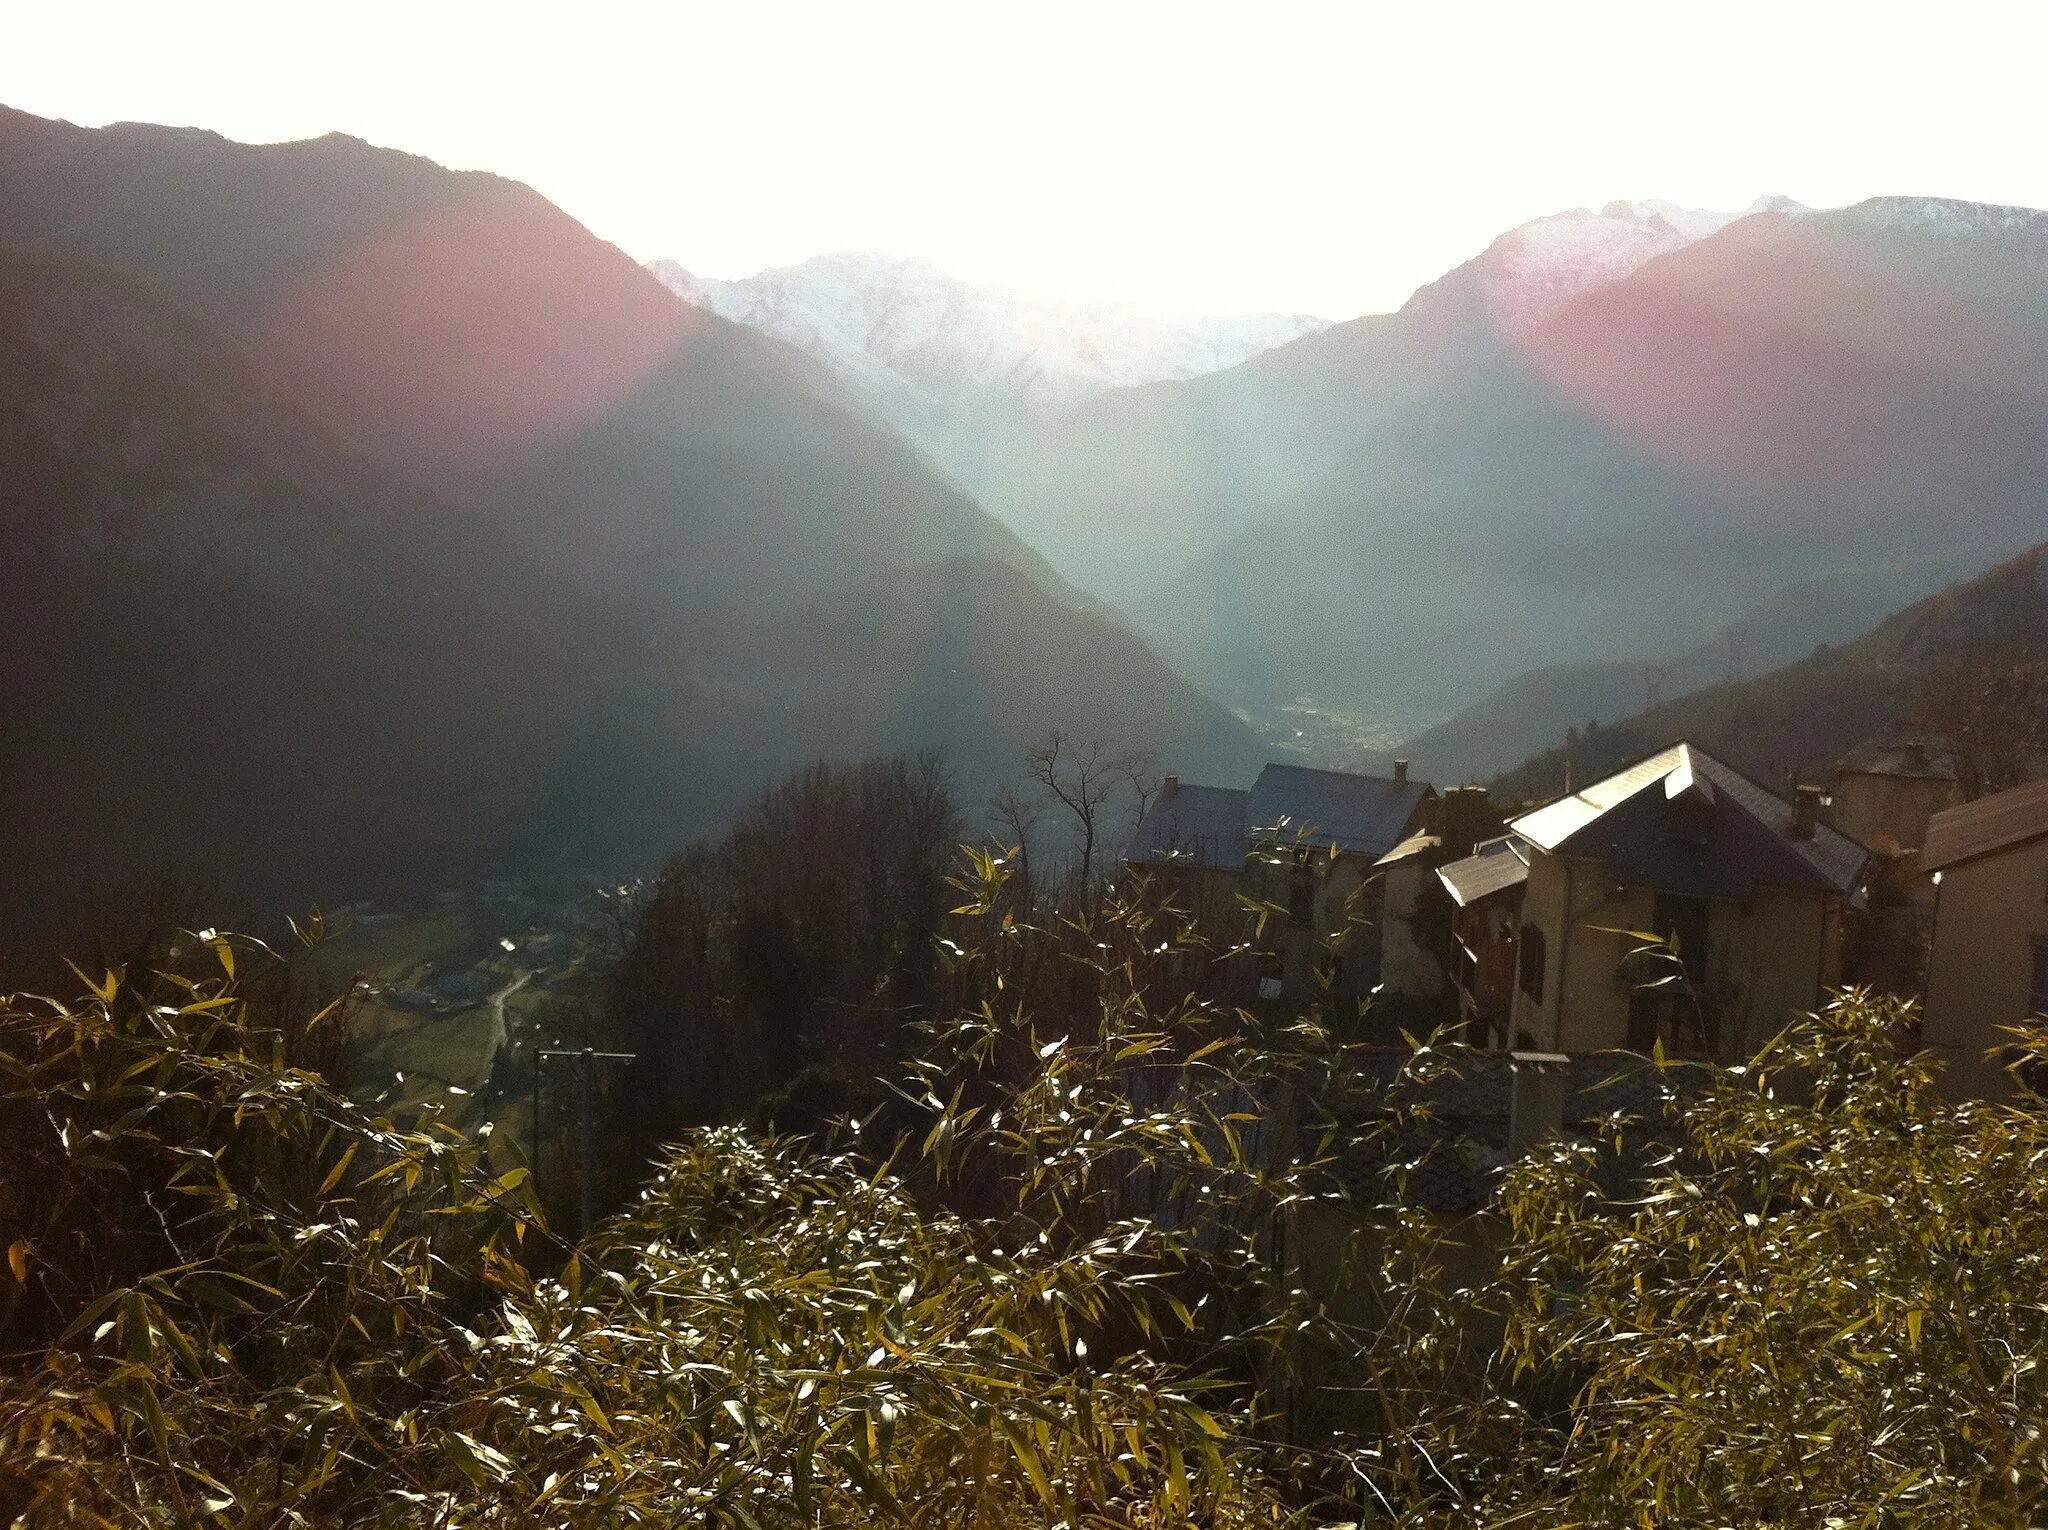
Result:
[1791,724]
[967,652]
[1788,399]
[355,499]
[235,643]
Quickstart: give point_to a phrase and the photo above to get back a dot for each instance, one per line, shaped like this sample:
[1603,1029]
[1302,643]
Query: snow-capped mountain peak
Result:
[908,327]
[1531,272]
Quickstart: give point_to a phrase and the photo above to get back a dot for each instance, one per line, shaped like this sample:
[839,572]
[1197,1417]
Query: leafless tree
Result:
[1084,778]
[1994,709]
[1016,817]
[1139,773]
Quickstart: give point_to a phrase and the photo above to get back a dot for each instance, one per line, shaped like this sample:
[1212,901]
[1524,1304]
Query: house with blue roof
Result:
[1304,840]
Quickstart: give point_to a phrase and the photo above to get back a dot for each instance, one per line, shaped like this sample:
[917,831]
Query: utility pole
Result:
[586,1061]
[1653,684]
[1735,637]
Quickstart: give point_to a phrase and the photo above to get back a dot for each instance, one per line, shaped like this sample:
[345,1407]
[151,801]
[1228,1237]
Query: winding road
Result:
[499,1034]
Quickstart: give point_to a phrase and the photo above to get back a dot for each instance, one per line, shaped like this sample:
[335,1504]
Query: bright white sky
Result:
[1323,158]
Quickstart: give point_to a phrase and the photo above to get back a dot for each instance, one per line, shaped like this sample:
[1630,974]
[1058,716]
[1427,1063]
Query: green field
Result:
[418,1044]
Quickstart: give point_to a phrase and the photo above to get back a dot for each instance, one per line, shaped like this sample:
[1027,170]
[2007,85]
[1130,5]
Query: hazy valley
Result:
[834,895]
[516,559]
[1594,452]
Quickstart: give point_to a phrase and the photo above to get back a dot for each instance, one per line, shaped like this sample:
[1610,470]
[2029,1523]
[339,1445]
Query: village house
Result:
[1989,967]
[1555,990]
[1750,890]
[1315,836]
[1306,841]
[1192,844]
[1889,786]
[1485,889]
[1547,921]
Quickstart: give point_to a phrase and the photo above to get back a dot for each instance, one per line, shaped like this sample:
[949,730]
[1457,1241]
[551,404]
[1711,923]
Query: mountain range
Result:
[1605,441]
[955,367]
[375,525]
[1793,398]
[1045,413]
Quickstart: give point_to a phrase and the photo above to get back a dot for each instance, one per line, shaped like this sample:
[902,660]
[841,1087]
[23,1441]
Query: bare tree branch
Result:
[1084,778]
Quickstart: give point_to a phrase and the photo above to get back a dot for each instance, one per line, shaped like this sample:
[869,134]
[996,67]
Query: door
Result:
[1672,1012]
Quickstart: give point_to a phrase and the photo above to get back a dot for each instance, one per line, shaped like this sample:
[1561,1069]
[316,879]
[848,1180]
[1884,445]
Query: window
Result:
[1534,957]
[1301,899]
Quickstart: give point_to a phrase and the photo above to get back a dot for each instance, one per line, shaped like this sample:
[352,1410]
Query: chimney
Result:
[1169,786]
[1805,810]
[1400,772]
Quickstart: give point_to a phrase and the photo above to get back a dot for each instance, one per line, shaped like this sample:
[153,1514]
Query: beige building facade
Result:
[1989,966]
[1892,784]
[1750,891]
[1751,964]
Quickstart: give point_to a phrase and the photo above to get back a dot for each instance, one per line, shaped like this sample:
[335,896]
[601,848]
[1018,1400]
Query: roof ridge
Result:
[2029,800]
[1755,785]
[1342,775]
[1827,854]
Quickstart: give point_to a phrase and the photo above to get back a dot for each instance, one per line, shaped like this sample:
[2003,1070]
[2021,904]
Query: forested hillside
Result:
[1970,658]
[1535,710]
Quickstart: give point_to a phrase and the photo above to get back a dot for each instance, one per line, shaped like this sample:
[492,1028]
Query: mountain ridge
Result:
[857,306]
[415,698]
[1131,486]
[1790,725]
[958,369]
[1535,710]
[1781,400]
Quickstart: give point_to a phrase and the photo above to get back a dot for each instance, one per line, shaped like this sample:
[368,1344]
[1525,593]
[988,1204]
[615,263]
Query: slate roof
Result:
[1360,815]
[1684,822]
[1903,748]
[1193,825]
[1494,866]
[1989,824]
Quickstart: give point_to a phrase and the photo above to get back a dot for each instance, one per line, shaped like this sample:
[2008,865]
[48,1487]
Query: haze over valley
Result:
[1057,767]
[1620,438]
[515,555]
